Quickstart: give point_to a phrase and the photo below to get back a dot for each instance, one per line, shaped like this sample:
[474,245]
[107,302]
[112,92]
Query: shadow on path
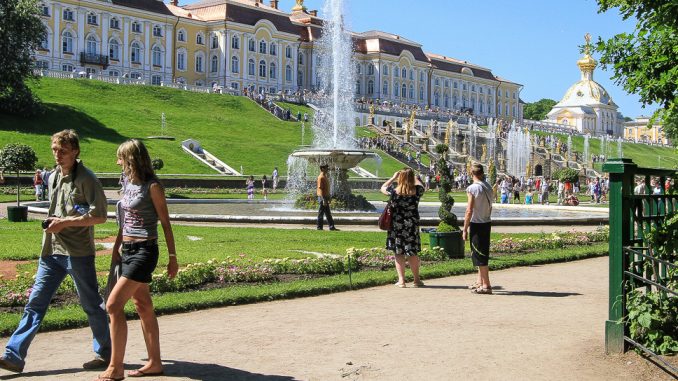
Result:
[543,294]
[214,372]
[43,373]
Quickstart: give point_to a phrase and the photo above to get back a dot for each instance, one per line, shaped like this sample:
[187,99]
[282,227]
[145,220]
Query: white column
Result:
[245,64]
[391,91]
[313,71]
[125,43]
[104,33]
[223,51]
[81,34]
[169,53]
[281,66]
[147,47]
[56,37]
[295,65]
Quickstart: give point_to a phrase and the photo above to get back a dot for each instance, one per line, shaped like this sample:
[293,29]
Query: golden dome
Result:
[587,63]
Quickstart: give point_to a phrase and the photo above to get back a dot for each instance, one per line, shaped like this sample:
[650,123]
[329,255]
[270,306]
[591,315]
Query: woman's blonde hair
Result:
[136,161]
[406,182]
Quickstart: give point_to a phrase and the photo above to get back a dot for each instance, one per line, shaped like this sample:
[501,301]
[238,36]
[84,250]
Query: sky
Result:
[531,42]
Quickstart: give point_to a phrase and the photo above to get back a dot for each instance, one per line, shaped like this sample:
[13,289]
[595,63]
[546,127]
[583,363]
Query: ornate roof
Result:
[154,6]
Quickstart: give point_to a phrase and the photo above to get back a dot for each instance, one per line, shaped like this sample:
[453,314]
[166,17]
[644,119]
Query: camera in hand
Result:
[45,223]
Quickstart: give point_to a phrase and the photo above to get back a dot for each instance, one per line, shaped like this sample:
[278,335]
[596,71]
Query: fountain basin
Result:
[335,158]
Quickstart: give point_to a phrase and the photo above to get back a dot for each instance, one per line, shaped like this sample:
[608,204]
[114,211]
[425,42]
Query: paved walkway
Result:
[543,323]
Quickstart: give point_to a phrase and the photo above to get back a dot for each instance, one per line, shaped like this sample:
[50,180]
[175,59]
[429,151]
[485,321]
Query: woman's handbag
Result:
[385,218]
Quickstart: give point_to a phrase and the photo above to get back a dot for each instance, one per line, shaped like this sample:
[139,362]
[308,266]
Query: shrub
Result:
[566,174]
[157,164]
[17,157]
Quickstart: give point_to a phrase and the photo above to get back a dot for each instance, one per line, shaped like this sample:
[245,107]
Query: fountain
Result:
[517,151]
[585,159]
[568,156]
[333,125]
[620,152]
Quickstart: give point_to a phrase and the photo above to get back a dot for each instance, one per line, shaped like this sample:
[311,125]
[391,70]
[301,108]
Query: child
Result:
[264,191]
[528,197]
[250,188]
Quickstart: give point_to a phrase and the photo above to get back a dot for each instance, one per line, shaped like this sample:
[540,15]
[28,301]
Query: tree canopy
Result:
[645,62]
[539,109]
[21,33]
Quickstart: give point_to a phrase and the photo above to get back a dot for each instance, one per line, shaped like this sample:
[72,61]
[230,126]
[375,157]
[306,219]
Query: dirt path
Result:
[543,323]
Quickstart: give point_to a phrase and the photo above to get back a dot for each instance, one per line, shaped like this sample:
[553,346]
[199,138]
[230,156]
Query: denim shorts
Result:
[139,260]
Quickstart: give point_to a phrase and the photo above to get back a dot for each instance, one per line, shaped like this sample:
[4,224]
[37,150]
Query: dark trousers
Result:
[324,208]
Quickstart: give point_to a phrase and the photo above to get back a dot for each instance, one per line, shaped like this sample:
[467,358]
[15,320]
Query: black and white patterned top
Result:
[403,238]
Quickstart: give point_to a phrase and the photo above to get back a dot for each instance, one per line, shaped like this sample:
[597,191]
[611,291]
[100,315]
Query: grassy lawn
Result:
[294,108]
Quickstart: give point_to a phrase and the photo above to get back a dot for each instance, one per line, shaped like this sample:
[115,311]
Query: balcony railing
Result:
[94,59]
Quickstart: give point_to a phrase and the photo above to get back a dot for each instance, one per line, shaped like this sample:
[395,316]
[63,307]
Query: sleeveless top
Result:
[139,217]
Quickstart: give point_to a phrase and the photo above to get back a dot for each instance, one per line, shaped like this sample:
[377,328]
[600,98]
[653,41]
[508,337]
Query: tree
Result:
[448,219]
[539,109]
[21,33]
[646,61]
[15,158]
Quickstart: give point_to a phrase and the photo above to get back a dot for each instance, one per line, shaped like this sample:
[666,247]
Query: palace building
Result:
[246,43]
[586,106]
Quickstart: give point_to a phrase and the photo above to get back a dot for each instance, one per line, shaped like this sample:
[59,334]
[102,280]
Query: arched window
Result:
[482,104]
[214,64]
[288,52]
[384,69]
[251,44]
[421,93]
[436,98]
[214,41]
[235,64]
[273,49]
[288,73]
[396,71]
[262,69]
[68,15]
[396,87]
[437,82]
[404,73]
[412,76]
[199,39]
[67,42]
[114,23]
[199,67]
[455,100]
[454,84]
[370,87]
[181,35]
[411,92]
[272,71]
[446,101]
[157,31]
[499,108]
[421,77]
[262,47]
[300,78]
[181,59]
[370,69]
[235,42]
[403,91]
[357,87]
[250,67]
[447,83]
[384,88]
[300,58]
[114,50]
[136,27]
[157,56]
[92,45]
[92,18]
[136,53]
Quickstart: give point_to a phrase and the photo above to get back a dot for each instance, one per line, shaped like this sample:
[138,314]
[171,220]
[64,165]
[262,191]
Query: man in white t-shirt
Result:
[477,227]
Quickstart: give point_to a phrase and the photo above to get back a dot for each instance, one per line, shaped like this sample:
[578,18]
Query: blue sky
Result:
[531,42]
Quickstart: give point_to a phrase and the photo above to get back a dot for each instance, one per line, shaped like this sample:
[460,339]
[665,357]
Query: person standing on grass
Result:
[323,193]
[76,203]
[477,227]
[142,204]
[275,179]
[403,238]
[249,185]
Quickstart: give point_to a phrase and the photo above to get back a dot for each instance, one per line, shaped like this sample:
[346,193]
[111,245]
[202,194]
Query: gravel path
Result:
[543,323]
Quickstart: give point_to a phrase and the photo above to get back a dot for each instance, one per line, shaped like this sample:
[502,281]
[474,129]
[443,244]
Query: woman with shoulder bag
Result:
[405,191]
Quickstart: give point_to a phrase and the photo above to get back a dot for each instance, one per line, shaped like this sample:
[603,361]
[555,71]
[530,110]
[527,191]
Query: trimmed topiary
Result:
[448,220]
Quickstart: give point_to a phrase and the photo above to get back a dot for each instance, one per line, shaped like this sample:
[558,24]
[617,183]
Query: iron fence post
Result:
[621,185]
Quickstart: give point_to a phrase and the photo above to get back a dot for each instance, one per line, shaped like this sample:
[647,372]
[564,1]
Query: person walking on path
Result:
[323,193]
[37,184]
[477,227]
[77,203]
[142,205]
[403,238]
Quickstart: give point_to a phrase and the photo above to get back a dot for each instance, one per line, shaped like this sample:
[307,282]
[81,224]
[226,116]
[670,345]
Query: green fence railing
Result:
[634,264]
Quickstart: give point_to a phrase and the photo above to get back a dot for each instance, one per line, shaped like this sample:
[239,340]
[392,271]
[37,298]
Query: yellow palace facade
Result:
[248,44]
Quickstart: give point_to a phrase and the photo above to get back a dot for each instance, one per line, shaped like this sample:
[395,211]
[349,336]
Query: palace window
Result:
[114,23]
[91,47]
[436,99]
[44,43]
[412,75]
[463,86]
[251,44]
[67,42]
[370,87]
[199,63]
[68,15]
[357,87]
[200,39]
[157,31]
[135,75]
[214,44]
[480,89]
[67,67]
[156,80]
[288,73]
[447,101]
[455,85]
[300,78]
[403,91]
[136,53]
[45,10]
[42,64]
[300,58]
[181,60]
[499,108]
[235,42]
[421,93]
[214,64]
[404,73]
[370,69]
[273,49]
[437,82]
[235,64]
[447,83]
[421,76]
[288,52]
[395,88]
[250,67]
[181,35]
[358,68]
[262,69]
[272,71]
[498,93]
[136,27]
[384,89]
[473,87]
[234,85]
[92,19]
[156,56]
[262,47]
[384,69]
[411,92]
[114,50]
[396,72]
[113,73]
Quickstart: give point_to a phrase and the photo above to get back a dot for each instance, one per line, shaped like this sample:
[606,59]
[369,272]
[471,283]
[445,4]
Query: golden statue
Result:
[448,130]
[412,117]
[484,155]
[587,47]
[299,6]
[407,131]
[528,170]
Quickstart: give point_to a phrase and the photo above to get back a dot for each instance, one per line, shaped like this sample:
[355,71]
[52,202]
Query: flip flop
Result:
[109,378]
[139,373]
